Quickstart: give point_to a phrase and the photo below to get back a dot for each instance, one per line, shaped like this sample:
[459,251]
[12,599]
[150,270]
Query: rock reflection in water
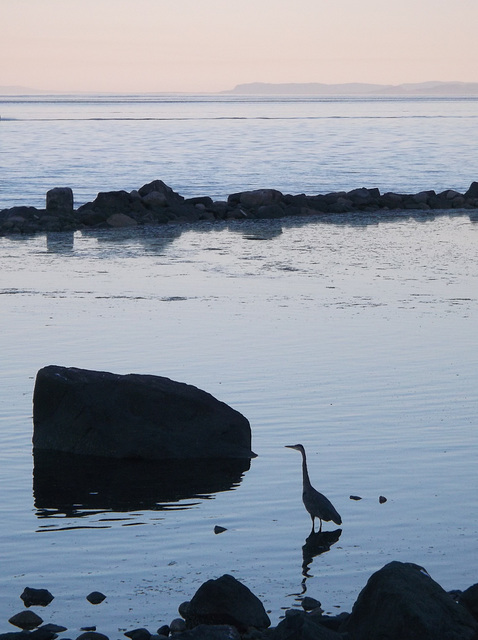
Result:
[74,485]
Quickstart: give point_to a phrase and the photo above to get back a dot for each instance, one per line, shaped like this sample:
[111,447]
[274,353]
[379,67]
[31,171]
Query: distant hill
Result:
[357,88]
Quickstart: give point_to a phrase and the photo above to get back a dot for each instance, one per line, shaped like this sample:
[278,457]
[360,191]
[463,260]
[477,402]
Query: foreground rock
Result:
[156,203]
[402,601]
[226,601]
[399,602]
[133,416]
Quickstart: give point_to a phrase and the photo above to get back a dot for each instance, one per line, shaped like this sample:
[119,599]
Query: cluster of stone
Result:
[399,601]
[156,203]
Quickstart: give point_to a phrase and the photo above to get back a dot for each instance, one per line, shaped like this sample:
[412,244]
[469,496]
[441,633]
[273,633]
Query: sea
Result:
[354,335]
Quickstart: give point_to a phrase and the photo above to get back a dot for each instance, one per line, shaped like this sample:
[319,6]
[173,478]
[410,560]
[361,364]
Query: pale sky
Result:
[212,45]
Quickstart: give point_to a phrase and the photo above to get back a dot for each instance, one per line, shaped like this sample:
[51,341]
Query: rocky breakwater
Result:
[399,602]
[156,203]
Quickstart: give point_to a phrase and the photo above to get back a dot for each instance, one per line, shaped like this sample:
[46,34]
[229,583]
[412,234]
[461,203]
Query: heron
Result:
[315,503]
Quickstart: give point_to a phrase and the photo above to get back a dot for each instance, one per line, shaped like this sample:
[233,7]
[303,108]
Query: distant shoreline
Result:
[350,89]
[430,89]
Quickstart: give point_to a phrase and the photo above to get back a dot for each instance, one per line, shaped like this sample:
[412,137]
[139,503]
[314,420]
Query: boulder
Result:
[120,220]
[226,601]
[402,601]
[209,632]
[26,620]
[159,187]
[298,625]
[255,198]
[133,416]
[469,599]
[59,201]
[472,191]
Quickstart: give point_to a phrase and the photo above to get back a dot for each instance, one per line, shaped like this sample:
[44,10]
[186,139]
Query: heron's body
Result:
[318,505]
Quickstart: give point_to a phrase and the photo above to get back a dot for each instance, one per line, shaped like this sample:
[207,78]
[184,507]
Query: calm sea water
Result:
[355,336]
[217,145]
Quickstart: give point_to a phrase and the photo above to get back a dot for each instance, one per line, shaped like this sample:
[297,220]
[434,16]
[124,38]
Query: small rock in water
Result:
[42,634]
[219,529]
[355,498]
[309,604]
[55,628]
[163,631]
[36,597]
[95,597]
[138,634]
[88,628]
[26,620]
[382,499]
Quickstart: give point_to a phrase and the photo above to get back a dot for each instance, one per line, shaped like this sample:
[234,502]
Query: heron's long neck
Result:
[305,473]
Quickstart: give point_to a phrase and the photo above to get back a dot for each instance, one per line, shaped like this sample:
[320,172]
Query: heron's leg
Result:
[320,529]
[313,524]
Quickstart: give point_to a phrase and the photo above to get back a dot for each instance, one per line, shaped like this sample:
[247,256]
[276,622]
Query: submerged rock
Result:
[133,416]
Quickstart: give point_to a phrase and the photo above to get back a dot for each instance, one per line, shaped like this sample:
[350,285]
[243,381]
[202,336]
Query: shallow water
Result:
[353,336]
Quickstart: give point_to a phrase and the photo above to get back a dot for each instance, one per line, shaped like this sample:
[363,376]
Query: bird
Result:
[315,503]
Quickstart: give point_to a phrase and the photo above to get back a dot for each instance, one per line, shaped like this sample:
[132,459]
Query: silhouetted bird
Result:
[316,503]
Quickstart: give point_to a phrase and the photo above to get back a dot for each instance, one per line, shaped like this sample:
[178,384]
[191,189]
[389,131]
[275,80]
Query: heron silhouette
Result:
[315,503]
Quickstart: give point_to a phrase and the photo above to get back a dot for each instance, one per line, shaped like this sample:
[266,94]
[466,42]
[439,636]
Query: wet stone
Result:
[177,625]
[95,597]
[26,620]
[36,597]
[92,635]
[309,604]
[138,634]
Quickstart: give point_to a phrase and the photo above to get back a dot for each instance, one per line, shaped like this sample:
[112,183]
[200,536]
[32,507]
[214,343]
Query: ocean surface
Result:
[354,335]
[216,145]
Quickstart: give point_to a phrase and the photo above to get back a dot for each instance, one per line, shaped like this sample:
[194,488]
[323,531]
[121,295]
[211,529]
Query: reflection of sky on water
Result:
[359,342]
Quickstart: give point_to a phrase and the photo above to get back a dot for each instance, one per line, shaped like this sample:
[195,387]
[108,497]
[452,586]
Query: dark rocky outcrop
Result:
[133,416]
[226,601]
[156,203]
[402,601]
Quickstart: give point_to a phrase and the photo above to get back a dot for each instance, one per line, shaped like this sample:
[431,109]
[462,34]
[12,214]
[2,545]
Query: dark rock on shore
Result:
[226,601]
[402,601]
[399,602]
[156,203]
[133,416]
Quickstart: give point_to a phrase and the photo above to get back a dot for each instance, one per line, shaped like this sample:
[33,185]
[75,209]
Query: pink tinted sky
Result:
[211,45]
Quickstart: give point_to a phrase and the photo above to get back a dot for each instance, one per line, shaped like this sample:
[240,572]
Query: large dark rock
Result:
[402,602]
[133,416]
[469,599]
[226,601]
